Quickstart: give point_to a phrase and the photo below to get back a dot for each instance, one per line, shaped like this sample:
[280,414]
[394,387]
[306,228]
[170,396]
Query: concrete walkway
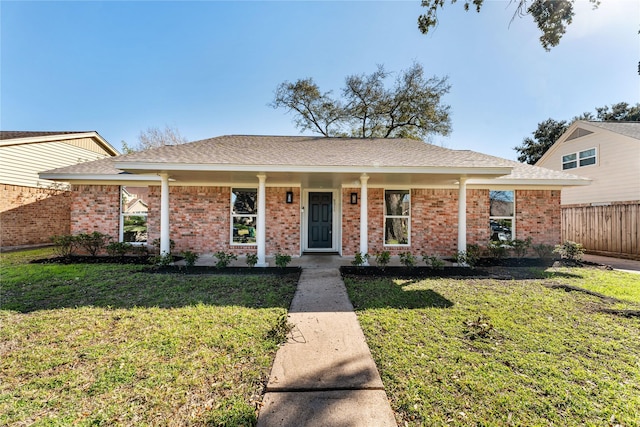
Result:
[324,375]
[627,265]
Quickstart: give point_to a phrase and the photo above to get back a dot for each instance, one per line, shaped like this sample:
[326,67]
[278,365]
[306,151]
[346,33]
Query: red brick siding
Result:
[478,230]
[200,220]
[30,216]
[538,216]
[96,208]
[434,221]
[283,221]
[350,222]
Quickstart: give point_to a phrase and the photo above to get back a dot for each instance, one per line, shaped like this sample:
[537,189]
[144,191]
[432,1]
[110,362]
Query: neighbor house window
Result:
[134,213]
[580,159]
[397,218]
[244,216]
[502,215]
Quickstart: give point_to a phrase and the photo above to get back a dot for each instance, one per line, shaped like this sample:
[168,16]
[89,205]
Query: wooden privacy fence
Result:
[610,229]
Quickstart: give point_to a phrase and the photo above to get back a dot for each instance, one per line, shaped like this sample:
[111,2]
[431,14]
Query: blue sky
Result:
[210,68]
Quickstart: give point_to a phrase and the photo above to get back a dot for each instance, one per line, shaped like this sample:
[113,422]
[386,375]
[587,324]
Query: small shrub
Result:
[119,248]
[360,259]
[163,260]
[520,248]
[543,251]
[473,254]
[497,249]
[252,260]
[282,260]
[569,250]
[224,259]
[280,330]
[93,242]
[478,328]
[382,259]
[433,261]
[462,258]
[190,258]
[407,259]
[64,245]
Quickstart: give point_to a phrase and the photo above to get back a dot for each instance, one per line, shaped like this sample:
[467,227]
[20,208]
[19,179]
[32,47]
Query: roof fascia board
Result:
[156,167]
[530,182]
[61,137]
[68,177]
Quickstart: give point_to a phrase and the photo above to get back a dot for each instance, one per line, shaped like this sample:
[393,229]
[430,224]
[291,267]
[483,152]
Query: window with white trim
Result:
[502,215]
[244,216]
[133,214]
[397,217]
[579,159]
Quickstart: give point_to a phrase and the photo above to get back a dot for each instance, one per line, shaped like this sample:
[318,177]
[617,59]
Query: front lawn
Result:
[92,344]
[488,352]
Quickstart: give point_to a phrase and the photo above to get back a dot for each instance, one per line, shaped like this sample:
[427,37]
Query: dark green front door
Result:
[320,221]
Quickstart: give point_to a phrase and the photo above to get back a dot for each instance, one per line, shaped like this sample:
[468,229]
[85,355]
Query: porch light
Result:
[289,198]
[354,198]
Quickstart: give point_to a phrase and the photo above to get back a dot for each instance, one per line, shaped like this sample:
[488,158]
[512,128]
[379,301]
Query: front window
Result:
[502,215]
[134,213]
[244,216]
[397,218]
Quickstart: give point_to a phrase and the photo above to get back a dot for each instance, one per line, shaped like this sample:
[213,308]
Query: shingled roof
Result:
[19,134]
[630,129]
[286,152]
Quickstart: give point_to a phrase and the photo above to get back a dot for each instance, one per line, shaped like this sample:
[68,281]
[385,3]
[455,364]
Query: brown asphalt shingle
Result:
[314,151]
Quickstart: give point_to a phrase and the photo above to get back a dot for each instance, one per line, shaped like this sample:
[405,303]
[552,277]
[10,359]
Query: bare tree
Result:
[155,137]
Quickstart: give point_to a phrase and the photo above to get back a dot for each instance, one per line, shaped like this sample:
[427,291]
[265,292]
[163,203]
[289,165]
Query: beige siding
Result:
[87,144]
[20,164]
[615,176]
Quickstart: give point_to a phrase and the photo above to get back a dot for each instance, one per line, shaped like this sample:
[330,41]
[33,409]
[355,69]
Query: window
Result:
[244,216]
[583,158]
[569,161]
[397,218]
[134,212]
[502,215]
[588,157]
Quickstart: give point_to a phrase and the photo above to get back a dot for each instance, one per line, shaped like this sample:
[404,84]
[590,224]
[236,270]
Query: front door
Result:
[320,221]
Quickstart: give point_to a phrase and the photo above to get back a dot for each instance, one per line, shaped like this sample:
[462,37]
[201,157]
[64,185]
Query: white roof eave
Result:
[145,167]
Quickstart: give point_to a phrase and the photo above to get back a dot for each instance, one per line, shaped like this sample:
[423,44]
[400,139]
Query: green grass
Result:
[114,345]
[486,352]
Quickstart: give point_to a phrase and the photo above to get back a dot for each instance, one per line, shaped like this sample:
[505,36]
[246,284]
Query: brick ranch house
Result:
[295,195]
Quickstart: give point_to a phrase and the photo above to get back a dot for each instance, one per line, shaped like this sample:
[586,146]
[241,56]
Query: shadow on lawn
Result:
[135,289]
[369,293]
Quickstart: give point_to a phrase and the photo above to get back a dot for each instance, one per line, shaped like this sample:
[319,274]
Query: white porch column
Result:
[165,242]
[462,215]
[261,238]
[364,215]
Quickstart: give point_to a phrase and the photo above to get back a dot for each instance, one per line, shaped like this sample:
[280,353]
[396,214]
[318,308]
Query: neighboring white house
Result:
[33,209]
[602,216]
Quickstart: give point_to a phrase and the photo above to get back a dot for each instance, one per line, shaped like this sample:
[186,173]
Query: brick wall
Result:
[350,222]
[200,220]
[283,221]
[30,216]
[95,208]
[538,216]
[434,221]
